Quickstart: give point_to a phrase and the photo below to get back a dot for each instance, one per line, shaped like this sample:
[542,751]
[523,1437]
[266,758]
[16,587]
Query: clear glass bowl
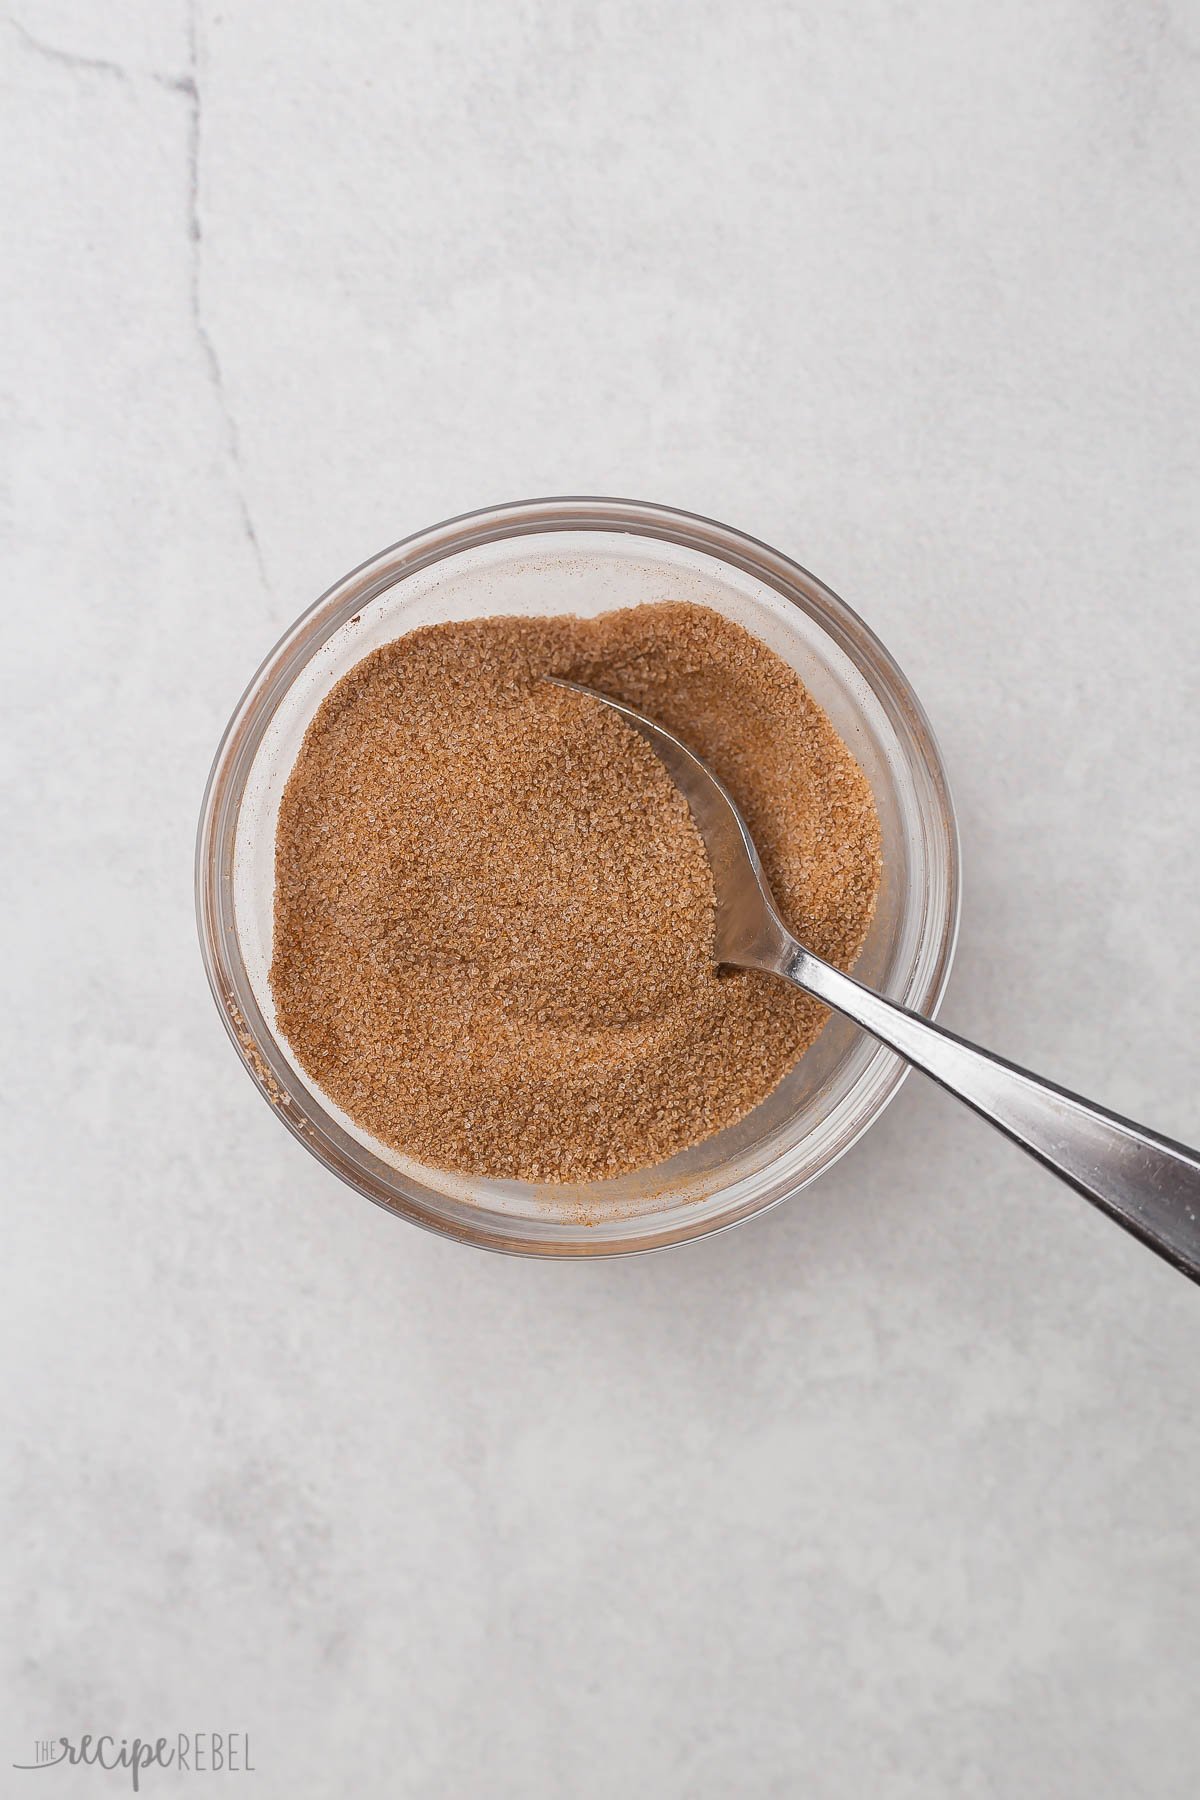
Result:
[587,556]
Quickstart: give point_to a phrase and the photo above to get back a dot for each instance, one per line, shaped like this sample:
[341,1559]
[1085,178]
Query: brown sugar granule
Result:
[494,916]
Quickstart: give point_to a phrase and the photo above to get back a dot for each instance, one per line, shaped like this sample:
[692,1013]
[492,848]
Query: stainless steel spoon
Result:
[1147,1183]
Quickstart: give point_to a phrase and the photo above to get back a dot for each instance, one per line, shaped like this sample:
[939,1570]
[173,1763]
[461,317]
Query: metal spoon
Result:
[1147,1183]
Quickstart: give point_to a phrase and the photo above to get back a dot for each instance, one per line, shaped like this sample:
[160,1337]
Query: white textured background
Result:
[895,1492]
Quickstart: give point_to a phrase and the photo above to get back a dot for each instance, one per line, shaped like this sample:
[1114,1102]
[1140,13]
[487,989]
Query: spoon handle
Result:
[1147,1183]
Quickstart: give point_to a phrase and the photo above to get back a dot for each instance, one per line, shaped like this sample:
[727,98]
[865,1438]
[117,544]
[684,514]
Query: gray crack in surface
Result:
[188,86]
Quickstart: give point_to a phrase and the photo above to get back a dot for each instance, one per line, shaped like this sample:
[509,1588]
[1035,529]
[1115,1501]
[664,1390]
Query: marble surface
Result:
[895,1491]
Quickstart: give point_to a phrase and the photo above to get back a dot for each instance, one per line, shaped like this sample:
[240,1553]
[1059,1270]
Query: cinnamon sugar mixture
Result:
[494,917]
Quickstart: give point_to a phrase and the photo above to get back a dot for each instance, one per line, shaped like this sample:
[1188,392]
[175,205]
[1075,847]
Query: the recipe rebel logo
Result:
[189,1752]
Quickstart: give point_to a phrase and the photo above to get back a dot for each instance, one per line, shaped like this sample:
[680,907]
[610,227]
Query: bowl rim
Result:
[240,740]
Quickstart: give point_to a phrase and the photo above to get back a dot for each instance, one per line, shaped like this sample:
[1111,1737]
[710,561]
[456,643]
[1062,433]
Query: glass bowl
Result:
[587,556]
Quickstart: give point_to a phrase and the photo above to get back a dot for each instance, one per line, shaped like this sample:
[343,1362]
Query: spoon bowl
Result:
[749,931]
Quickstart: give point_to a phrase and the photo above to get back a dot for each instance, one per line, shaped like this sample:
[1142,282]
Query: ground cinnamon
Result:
[494,916]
